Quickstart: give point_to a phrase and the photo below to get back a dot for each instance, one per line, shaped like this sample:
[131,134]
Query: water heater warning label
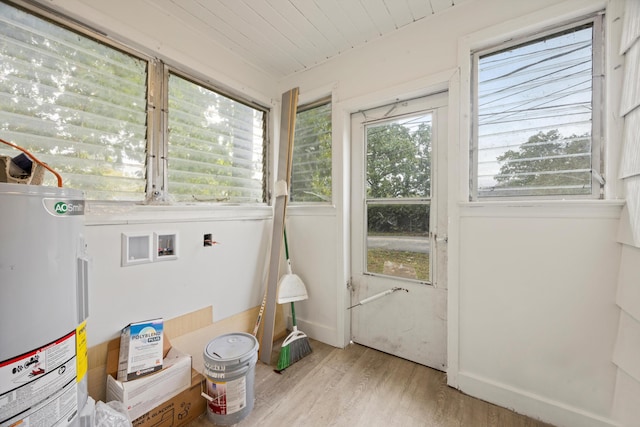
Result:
[81,350]
[45,374]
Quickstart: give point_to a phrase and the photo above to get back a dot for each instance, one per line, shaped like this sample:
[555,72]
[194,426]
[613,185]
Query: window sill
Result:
[310,209]
[104,213]
[543,208]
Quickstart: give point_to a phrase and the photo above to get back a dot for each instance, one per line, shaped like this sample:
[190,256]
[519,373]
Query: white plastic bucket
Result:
[229,368]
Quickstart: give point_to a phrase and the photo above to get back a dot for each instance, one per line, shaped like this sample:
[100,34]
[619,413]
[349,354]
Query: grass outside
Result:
[418,261]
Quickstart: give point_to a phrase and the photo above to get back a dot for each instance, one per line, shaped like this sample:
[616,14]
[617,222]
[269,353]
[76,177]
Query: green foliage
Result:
[399,167]
[398,161]
[398,219]
[548,161]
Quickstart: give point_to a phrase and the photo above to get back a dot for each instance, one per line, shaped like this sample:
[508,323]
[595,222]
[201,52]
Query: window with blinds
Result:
[311,164]
[215,146]
[537,120]
[80,103]
[76,104]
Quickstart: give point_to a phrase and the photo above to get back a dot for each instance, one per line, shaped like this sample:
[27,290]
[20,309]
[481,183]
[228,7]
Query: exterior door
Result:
[398,256]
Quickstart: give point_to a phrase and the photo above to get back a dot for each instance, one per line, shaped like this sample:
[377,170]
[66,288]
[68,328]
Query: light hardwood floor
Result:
[359,386]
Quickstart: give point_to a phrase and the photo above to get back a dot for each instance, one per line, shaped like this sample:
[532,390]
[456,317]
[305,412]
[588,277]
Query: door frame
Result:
[347,102]
[435,298]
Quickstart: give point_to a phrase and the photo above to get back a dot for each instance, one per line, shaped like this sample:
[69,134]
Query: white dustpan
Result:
[290,287]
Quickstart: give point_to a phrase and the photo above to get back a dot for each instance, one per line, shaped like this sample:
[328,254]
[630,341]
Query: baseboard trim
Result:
[529,404]
[317,331]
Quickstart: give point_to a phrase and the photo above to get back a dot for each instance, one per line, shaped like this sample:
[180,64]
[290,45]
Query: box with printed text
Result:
[144,394]
[179,410]
[141,349]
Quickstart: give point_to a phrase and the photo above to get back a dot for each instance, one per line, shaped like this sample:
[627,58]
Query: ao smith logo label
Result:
[62,208]
[59,207]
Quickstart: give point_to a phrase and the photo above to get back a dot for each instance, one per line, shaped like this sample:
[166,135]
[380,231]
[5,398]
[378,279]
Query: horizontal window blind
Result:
[535,117]
[215,146]
[311,166]
[75,103]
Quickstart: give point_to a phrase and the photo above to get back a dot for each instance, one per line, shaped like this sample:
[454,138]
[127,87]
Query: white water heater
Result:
[43,306]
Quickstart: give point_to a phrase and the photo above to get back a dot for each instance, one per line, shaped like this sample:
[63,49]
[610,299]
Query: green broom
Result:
[294,347]
[291,288]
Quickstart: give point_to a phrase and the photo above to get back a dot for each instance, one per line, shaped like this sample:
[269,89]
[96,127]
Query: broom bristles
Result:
[299,349]
[283,360]
[293,351]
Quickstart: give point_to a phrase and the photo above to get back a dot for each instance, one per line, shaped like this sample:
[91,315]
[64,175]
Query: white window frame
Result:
[160,180]
[300,109]
[598,102]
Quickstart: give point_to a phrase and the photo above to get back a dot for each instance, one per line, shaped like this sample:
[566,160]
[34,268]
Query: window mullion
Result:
[473,153]
[163,131]
[156,142]
[597,161]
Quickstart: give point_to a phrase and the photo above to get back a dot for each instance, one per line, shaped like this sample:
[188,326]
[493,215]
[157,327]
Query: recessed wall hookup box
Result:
[136,248]
[166,246]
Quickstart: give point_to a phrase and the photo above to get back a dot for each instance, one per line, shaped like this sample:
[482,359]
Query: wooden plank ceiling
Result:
[283,37]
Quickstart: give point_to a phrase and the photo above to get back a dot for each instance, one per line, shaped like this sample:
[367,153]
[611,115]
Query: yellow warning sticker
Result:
[81,351]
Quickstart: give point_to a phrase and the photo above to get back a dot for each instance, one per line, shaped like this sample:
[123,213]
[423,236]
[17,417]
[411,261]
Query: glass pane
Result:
[398,240]
[311,166]
[215,146]
[399,157]
[76,104]
[535,117]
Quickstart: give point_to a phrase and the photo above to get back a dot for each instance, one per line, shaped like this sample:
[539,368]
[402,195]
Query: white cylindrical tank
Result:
[43,305]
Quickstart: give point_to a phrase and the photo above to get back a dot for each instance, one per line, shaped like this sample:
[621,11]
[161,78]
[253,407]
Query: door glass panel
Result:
[398,196]
[399,157]
[398,240]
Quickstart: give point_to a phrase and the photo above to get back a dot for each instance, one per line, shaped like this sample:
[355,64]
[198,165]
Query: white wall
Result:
[230,276]
[537,319]
[314,254]
[532,314]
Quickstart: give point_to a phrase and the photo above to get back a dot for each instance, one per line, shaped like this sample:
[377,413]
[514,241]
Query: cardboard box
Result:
[144,394]
[141,351]
[179,410]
